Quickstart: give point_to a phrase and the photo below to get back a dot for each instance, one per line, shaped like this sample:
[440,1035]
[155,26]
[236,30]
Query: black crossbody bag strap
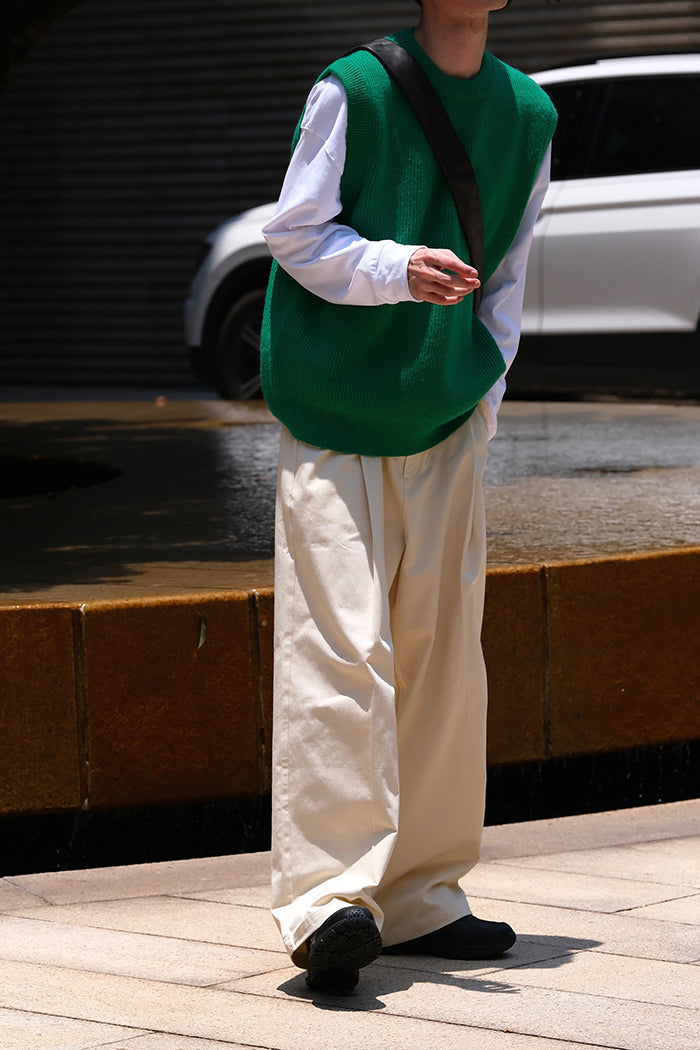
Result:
[447,147]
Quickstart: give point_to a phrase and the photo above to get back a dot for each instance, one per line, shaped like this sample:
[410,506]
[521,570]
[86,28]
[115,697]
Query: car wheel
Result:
[238,348]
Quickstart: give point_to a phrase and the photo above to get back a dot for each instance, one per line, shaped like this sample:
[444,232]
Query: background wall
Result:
[133,129]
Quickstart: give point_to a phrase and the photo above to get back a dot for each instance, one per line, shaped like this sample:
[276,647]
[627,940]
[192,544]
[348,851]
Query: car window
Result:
[627,126]
[571,144]
[648,124]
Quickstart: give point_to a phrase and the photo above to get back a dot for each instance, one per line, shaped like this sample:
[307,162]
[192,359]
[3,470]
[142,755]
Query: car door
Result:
[620,244]
[574,103]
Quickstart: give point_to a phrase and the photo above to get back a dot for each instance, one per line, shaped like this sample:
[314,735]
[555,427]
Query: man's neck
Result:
[456,47]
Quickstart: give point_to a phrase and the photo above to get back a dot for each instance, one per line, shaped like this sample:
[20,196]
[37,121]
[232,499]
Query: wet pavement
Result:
[191,507]
[571,481]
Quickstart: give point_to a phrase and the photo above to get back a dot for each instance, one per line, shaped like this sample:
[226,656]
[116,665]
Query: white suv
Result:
[613,287]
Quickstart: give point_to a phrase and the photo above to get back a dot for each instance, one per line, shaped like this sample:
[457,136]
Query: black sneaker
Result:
[466,938]
[346,942]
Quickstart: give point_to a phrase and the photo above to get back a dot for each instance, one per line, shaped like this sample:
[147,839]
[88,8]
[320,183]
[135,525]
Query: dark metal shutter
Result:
[132,129]
[539,34]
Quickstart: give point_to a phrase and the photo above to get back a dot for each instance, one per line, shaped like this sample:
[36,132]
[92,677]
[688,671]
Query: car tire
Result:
[237,348]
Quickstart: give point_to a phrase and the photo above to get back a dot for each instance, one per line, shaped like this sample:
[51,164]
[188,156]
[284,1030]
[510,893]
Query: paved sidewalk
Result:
[184,955]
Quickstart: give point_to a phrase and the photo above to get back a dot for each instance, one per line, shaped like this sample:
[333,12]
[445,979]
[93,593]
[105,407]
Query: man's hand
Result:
[429,282]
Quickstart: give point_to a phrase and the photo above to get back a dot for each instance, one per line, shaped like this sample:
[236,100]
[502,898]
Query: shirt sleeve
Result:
[502,302]
[326,257]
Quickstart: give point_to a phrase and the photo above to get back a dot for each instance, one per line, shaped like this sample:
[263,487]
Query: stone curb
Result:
[146,702]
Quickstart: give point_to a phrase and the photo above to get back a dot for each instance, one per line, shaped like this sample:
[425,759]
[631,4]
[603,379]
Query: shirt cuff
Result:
[392,271]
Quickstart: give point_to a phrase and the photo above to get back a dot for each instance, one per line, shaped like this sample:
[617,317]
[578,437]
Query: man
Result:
[387,385]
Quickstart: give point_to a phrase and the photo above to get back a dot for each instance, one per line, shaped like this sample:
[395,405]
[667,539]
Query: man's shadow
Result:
[398,973]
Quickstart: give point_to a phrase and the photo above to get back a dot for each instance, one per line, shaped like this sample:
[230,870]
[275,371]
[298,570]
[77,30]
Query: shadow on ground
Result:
[406,972]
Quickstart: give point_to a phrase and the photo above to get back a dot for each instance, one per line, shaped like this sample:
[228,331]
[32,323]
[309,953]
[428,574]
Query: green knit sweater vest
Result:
[397,379]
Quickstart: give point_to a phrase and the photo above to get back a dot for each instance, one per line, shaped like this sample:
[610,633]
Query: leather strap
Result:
[444,140]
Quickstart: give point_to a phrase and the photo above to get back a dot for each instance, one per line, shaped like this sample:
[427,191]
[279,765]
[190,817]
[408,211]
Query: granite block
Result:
[172,706]
[40,747]
[624,659]
[514,642]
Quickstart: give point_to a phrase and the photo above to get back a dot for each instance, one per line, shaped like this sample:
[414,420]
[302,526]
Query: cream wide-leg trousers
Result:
[379,685]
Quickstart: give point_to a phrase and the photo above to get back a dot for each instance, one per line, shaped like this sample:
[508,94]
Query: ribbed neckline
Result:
[466,90]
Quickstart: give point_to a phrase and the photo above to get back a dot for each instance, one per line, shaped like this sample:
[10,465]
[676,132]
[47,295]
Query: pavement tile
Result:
[561,889]
[144,880]
[500,1001]
[685,910]
[137,955]
[592,830]
[523,953]
[35,1031]
[13,897]
[251,896]
[621,934]
[551,1014]
[190,920]
[675,862]
[213,1014]
[159,1041]
[616,977]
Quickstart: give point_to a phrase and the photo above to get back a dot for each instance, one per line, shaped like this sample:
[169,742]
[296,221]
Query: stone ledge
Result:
[116,704]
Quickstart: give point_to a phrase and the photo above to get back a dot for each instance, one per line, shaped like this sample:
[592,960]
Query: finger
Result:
[426,261]
[441,299]
[444,259]
[443,280]
[440,282]
[455,286]
[434,292]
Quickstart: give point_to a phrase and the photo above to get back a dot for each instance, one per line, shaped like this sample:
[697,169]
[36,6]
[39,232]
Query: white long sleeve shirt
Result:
[334,262]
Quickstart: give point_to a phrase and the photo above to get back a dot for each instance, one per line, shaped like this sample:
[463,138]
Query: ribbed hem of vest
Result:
[318,433]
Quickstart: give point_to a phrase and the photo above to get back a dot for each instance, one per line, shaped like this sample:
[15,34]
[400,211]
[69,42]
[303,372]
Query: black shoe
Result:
[347,941]
[466,938]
